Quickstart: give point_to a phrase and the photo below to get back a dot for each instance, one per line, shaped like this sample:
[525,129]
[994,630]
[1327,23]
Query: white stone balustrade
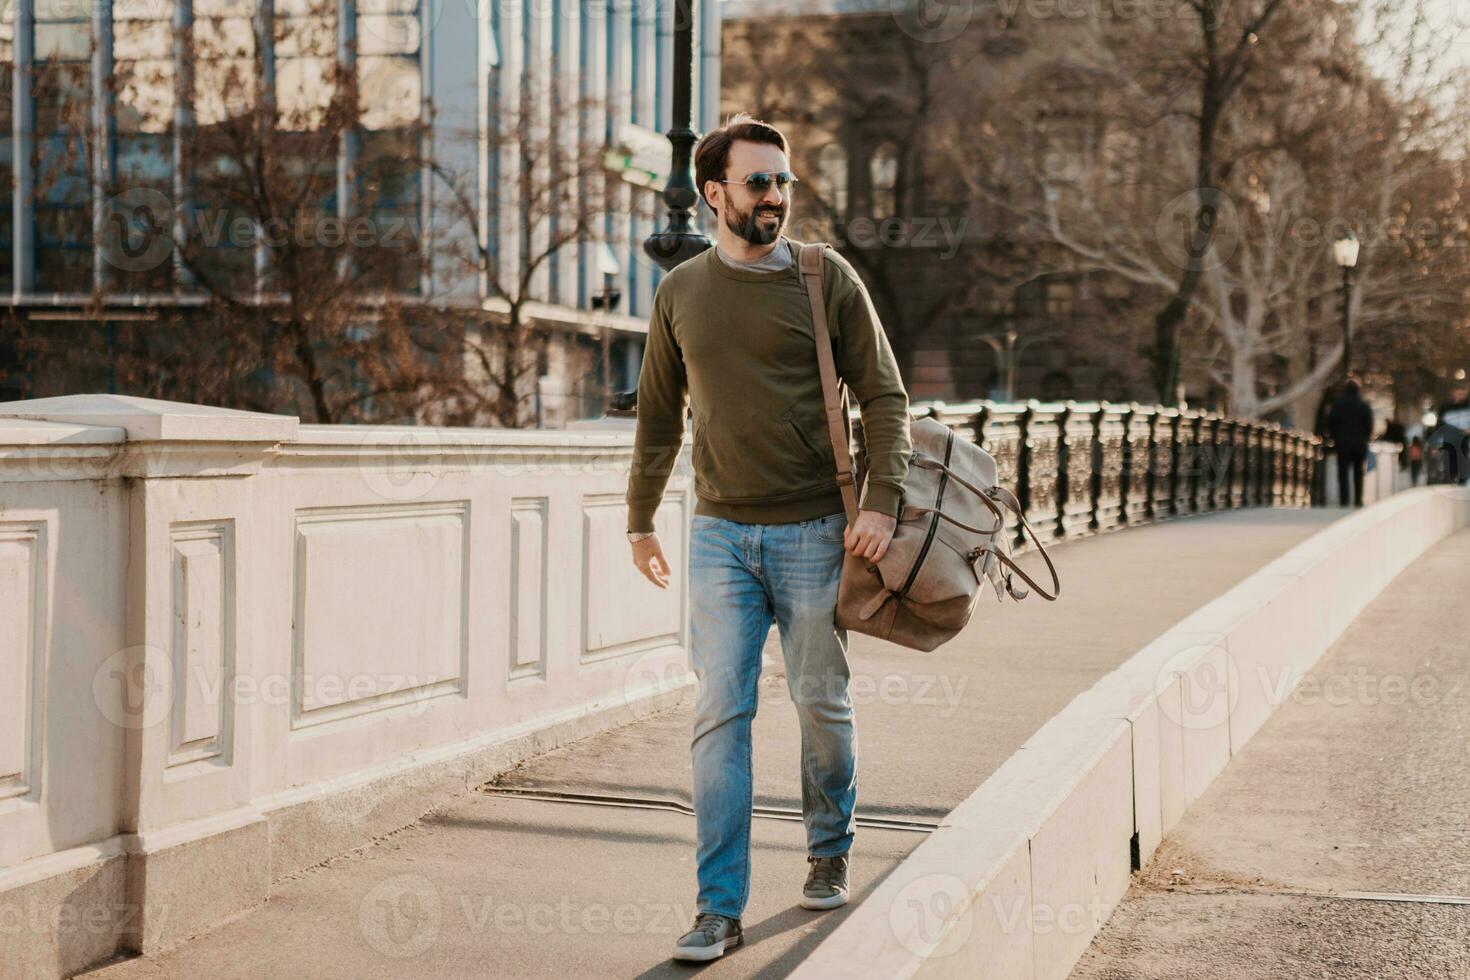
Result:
[1387,477]
[232,645]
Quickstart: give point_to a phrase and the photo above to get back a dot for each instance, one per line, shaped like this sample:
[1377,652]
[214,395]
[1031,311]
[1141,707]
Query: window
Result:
[390,102]
[224,60]
[388,77]
[1122,157]
[388,196]
[883,172]
[7,146]
[1059,297]
[143,84]
[223,213]
[831,178]
[305,34]
[1065,144]
[62,89]
[143,65]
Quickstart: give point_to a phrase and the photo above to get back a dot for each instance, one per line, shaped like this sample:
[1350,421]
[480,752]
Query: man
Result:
[733,329]
[1449,444]
[1350,424]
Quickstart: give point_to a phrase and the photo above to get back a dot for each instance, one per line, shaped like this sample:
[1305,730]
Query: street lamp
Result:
[1345,254]
[679,242]
[1008,347]
[607,301]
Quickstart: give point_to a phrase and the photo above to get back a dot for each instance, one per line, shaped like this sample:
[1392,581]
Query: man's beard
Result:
[751,227]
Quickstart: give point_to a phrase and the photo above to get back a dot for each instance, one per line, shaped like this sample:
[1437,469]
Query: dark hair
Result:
[712,155]
[1351,385]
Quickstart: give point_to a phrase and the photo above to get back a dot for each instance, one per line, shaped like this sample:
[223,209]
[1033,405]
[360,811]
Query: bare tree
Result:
[300,215]
[1229,37]
[557,194]
[864,129]
[1306,145]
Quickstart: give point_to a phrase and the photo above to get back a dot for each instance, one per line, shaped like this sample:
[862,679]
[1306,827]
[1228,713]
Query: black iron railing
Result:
[1082,467]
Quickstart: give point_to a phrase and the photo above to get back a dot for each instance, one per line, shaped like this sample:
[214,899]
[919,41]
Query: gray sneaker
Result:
[711,936]
[826,882]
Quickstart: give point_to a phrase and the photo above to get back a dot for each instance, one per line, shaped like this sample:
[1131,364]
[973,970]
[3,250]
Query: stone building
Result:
[106,100]
[882,110]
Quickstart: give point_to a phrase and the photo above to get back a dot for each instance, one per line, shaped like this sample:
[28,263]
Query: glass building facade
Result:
[122,142]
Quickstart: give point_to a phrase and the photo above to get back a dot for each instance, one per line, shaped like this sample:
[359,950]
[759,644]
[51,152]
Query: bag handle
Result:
[811,257]
[1014,506]
[999,520]
[1056,583]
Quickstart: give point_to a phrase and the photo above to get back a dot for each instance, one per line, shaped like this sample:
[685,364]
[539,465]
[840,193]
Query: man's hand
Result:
[648,555]
[868,537]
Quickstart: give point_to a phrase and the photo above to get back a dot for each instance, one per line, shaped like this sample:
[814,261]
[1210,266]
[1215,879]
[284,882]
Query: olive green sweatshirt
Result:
[739,345]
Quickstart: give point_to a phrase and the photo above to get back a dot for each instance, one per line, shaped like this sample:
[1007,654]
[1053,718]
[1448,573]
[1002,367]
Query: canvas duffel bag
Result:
[951,531]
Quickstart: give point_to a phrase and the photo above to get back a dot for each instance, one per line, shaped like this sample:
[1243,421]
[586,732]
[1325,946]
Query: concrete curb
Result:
[1023,873]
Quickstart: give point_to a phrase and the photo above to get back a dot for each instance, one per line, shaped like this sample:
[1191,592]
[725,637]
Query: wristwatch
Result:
[640,535]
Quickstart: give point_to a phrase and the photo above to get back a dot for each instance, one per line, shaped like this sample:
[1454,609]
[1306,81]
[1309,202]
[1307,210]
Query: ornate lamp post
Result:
[1345,254]
[679,242]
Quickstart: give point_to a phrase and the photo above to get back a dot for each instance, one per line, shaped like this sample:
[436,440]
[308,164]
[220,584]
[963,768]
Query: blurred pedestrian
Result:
[1450,442]
[1415,453]
[1350,426]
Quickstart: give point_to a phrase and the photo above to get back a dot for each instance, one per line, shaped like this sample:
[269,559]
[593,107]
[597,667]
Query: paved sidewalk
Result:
[1356,785]
[494,887]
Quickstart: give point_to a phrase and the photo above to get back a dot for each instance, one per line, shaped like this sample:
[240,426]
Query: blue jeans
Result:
[740,577]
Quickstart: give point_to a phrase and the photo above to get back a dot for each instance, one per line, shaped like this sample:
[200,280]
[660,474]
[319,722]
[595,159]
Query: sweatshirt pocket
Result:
[808,430]
[753,456]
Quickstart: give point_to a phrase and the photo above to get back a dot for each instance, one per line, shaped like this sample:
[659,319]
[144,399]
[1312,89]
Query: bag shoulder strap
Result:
[811,258]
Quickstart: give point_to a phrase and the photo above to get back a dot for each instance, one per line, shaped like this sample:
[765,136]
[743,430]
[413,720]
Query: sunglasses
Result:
[760,182]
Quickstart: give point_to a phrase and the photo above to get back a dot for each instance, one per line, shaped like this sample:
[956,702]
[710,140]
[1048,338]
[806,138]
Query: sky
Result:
[1450,21]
